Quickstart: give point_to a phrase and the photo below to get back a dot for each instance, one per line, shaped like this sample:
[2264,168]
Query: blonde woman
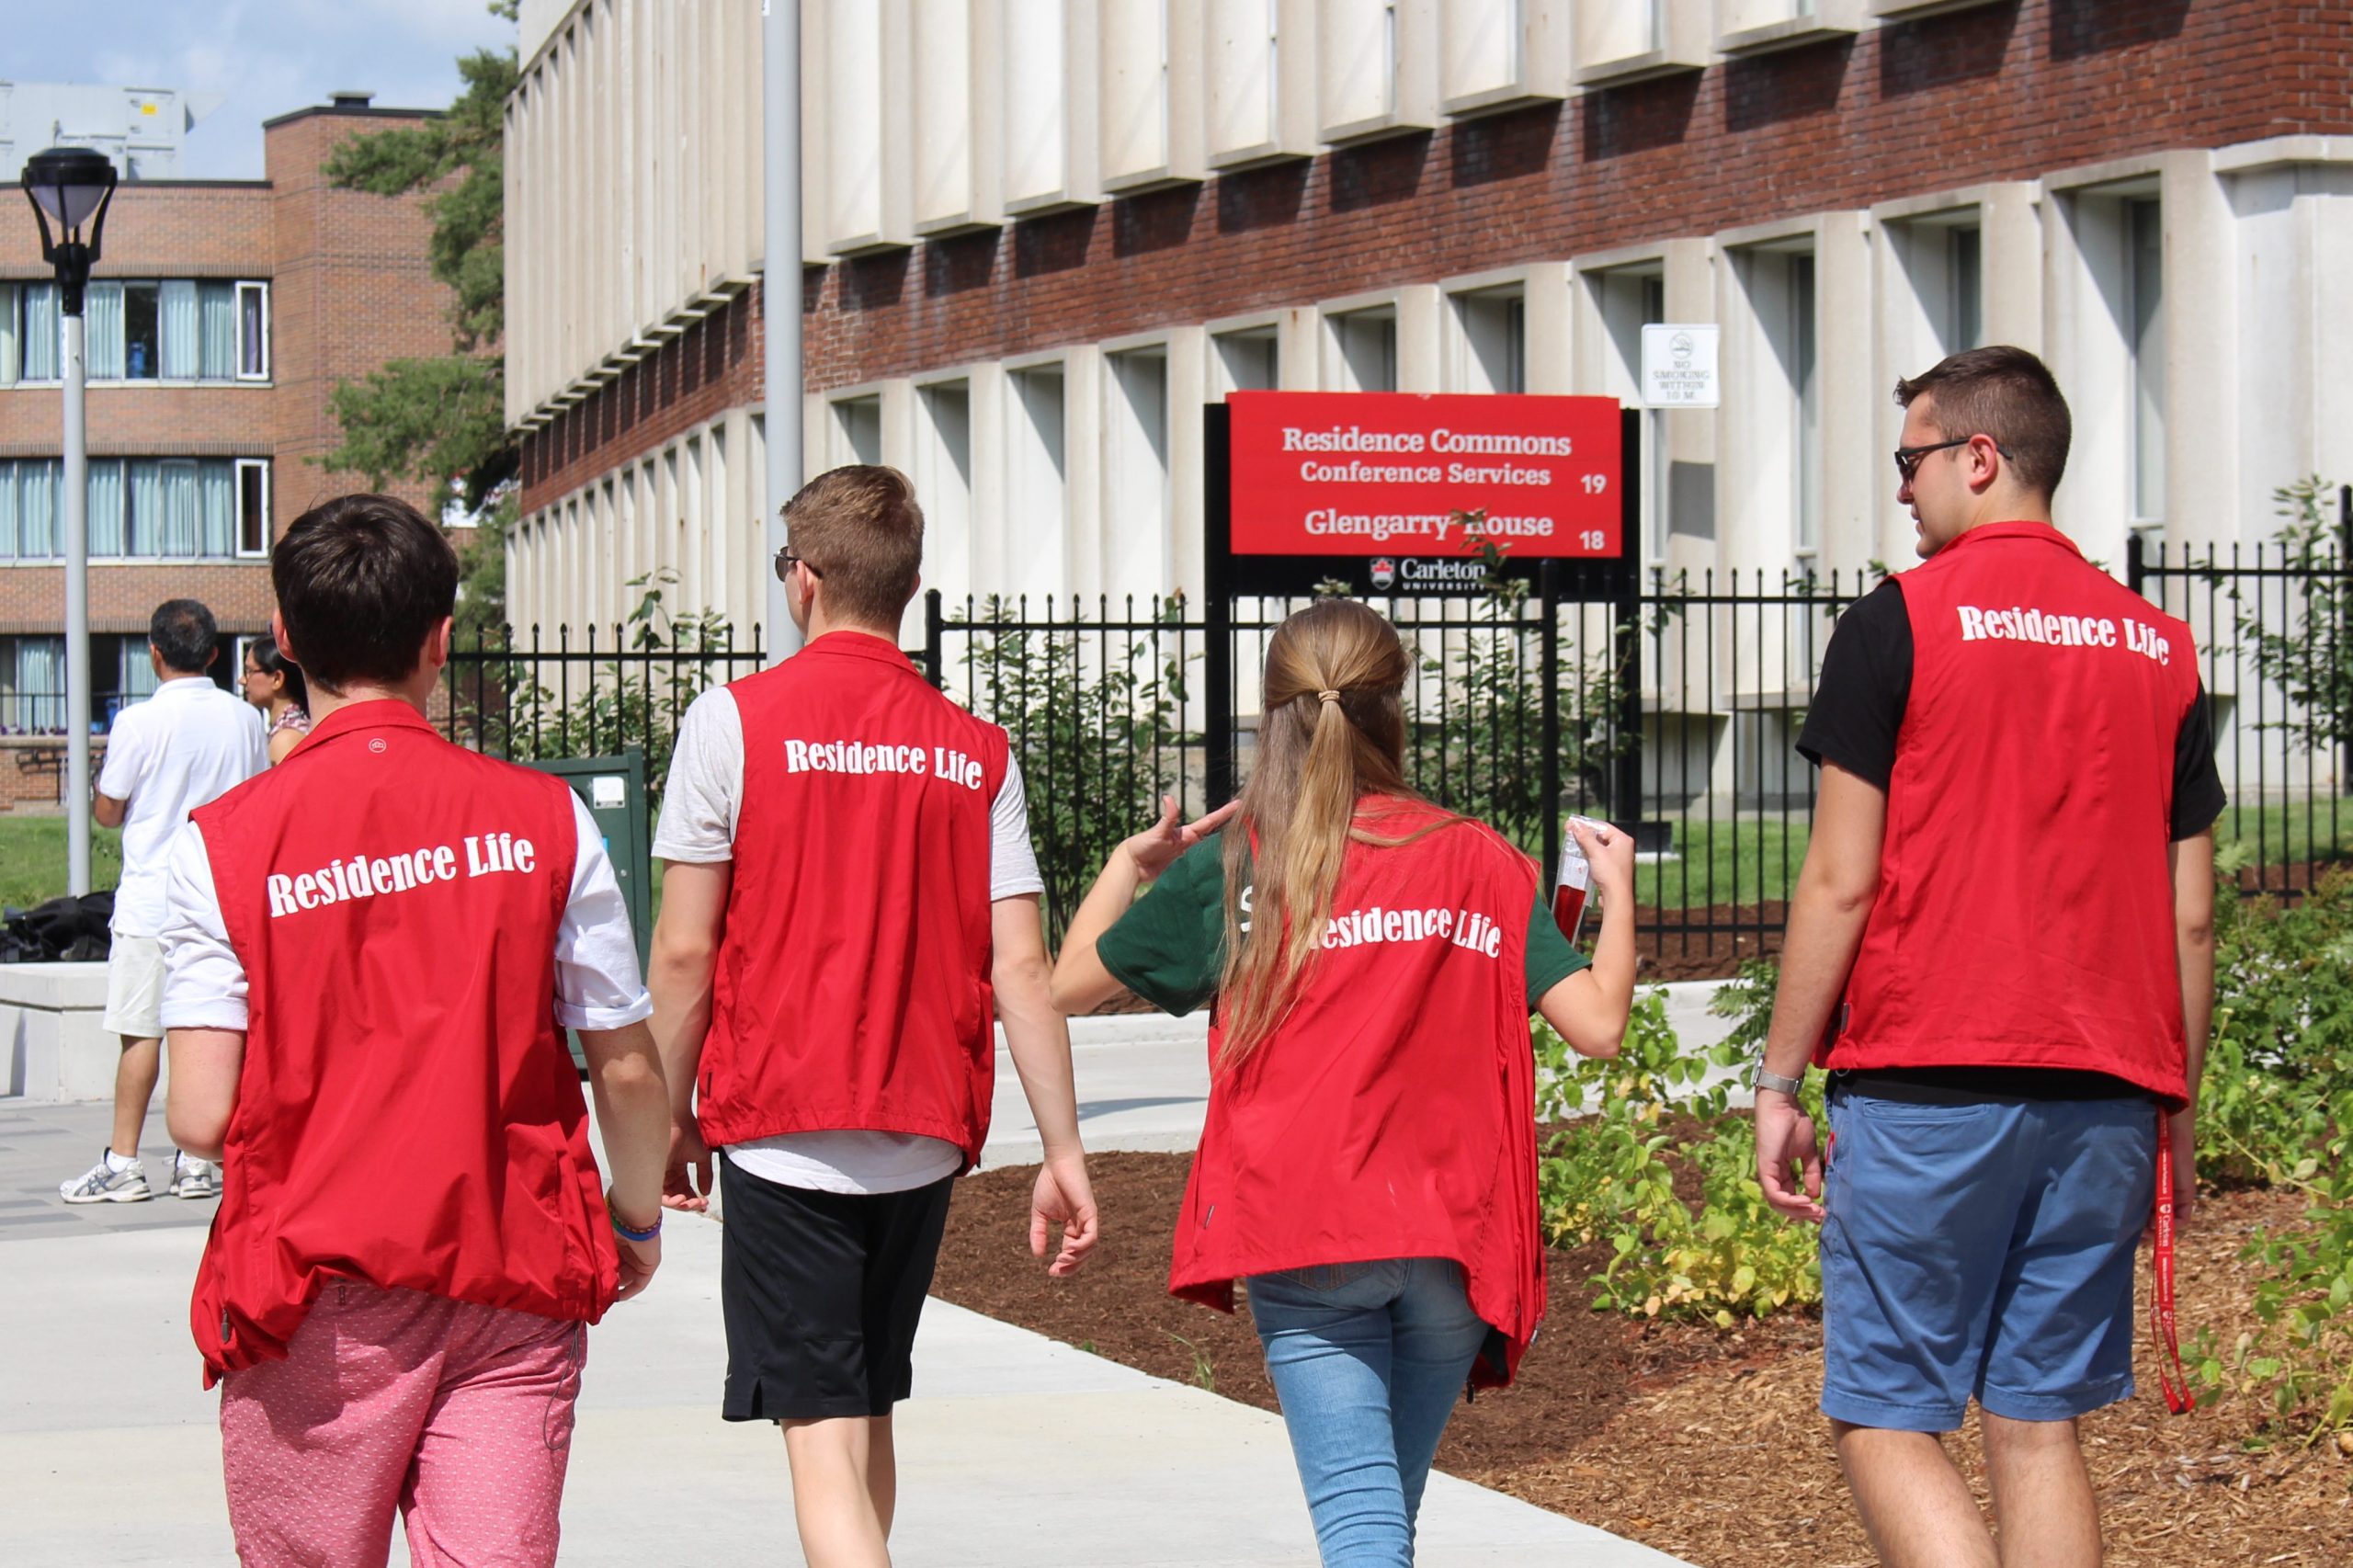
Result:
[1368,1161]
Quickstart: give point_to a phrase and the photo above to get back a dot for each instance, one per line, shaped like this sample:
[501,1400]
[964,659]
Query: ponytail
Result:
[1333,733]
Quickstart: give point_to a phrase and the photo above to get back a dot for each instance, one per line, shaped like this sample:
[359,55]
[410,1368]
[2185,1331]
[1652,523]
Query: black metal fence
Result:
[537,693]
[1677,709]
[2273,623]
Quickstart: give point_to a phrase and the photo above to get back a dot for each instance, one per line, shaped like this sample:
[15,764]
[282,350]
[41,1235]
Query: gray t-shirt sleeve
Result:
[703,798]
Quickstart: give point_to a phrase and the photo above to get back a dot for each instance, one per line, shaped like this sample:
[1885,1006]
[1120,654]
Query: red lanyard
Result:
[2176,1383]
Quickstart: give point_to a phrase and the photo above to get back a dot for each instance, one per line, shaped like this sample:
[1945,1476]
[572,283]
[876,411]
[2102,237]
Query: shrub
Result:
[1612,1176]
[2276,1107]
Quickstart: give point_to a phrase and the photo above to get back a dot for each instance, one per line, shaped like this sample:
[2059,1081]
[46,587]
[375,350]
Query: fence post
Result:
[1548,642]
[1626,790]
[935,637]
[2136,567]
[1217,603]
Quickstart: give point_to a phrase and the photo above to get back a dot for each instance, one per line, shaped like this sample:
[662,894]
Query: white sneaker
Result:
[107,1182]
[193,1178]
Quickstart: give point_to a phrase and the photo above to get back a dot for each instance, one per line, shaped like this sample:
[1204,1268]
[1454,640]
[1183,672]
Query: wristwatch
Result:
[1761,1079]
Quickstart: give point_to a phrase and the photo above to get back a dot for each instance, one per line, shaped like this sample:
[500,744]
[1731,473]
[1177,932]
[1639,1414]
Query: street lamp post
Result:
[781,291]
[72,187]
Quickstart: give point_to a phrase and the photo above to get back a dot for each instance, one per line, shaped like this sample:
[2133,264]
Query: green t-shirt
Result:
[1170,946]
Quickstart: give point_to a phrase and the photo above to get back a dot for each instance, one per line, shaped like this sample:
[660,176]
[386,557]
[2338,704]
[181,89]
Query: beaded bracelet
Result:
[623,1230]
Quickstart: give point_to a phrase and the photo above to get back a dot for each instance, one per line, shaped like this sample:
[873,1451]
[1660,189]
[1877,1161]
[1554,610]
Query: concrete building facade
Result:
[220,318]
[1041,234]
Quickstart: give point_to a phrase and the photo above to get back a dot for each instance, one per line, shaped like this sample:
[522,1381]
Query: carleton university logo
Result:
[1384,571]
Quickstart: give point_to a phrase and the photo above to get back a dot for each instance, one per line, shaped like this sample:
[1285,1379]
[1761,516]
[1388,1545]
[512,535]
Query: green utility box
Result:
[614,790]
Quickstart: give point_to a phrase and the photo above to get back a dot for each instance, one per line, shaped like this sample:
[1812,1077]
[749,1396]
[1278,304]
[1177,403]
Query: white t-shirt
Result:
[187,745]
[700,807]
[597,982]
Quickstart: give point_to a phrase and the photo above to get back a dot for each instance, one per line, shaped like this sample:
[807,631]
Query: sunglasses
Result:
[785,561]
[1908,459]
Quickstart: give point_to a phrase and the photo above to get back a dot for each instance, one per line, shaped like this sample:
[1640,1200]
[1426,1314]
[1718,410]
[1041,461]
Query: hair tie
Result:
[1327,697]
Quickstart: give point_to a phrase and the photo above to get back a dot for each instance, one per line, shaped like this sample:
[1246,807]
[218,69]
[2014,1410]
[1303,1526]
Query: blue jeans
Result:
[1367,1359]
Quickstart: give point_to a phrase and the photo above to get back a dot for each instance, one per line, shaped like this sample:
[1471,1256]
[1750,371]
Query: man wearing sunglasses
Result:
[2001,948]
[849,902]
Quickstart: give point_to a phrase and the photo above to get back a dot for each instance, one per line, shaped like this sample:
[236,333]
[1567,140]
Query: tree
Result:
[443,420]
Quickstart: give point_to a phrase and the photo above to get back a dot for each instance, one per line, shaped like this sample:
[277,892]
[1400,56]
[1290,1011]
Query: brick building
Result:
[220,317]
[1040,235]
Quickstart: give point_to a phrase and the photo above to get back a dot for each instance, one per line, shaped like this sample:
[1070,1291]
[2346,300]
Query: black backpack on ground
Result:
[70,929]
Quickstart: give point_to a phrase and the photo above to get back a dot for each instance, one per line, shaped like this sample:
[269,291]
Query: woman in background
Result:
[273,683]
[1367,1163]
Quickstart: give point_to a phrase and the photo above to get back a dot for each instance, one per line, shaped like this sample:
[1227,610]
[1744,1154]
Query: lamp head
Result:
[72,188]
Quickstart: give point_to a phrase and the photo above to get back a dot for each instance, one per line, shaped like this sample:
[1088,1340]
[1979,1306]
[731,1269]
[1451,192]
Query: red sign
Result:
[1383,474]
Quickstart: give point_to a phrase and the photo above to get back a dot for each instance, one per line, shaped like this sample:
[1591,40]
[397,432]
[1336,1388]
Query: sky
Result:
[266,57]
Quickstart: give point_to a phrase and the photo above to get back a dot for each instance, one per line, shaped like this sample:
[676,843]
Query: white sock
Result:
[117,1162]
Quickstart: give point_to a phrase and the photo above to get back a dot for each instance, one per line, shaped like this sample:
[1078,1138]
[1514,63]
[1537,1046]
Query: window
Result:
[1805,380]
[858,421]
[944,479]
[1366,342]
[1629,299]
[178,329]
[252,506]
[34,320]
[2145,281]
[253,332]
[1965,276]
[1037,521]
[1493,325]
[1773,401]
[141,508]
[1248,360]
[142,342]
[40,685]
[1139,554]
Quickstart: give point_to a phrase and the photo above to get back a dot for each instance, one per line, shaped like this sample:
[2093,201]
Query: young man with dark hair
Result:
[2001,946]
[373,950]
[187,744]
[849,899]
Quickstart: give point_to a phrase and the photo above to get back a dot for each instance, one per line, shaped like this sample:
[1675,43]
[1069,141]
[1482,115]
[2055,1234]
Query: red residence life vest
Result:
[1392,1112]
[2025,908]
[407,1113]
[852,988]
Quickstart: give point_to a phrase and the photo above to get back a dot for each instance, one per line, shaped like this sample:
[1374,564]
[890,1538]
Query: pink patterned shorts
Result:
[457,1415]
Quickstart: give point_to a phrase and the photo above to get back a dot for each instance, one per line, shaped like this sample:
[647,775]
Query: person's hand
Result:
[1610,852]
[2181,1127]
[1063,1197]
[639,1260]
[1785,1134]
[686,1180]
[1156,848]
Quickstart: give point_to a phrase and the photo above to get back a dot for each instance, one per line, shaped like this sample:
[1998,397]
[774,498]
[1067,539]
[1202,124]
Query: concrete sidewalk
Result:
[1017,1450]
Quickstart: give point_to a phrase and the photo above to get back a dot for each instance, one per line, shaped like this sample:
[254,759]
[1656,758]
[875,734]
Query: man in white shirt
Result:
[187,744]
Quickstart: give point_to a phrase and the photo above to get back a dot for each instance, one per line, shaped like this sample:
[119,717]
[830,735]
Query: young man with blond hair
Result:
[849,902]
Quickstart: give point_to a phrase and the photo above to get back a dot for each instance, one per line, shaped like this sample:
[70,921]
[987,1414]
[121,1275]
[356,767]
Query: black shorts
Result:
[822,1292]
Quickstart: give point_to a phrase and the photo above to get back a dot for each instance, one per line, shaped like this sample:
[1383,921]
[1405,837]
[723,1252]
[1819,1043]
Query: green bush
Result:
[2275,1107]
[1611,1175]
[1095,725]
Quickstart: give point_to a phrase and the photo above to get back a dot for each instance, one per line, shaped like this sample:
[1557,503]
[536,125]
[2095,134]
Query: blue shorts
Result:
[1981,1249]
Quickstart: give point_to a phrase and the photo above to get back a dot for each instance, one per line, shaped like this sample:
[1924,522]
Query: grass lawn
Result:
[2286,834]
[32,858]
[1748,861]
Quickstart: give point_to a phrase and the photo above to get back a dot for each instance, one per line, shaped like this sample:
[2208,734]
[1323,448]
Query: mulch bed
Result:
[1739,932]
[1703,1444]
